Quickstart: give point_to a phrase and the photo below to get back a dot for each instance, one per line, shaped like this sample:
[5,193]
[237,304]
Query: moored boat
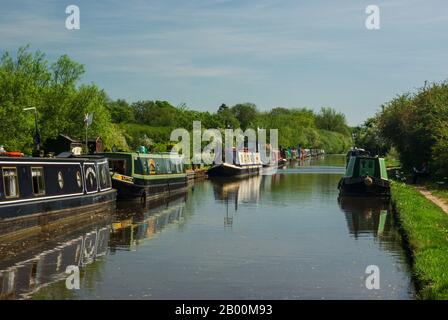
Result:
[35,192]
[245,163]
[146,176]
[273,159]
[365,176]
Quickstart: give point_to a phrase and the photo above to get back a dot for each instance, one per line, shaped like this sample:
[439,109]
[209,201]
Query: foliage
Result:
[368,136]
[120,111]
[331,120]
[28,80]
[417,126]
[246,114]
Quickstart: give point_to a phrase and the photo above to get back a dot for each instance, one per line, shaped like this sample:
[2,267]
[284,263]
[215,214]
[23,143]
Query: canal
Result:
[281,236]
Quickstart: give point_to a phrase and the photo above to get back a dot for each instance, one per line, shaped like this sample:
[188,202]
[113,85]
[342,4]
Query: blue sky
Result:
[273,53]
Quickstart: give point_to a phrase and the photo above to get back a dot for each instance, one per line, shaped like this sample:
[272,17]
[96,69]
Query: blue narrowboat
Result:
[39,191]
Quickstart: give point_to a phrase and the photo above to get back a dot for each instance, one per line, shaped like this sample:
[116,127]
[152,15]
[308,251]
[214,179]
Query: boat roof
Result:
[36,159]
[366,157]
[143,155]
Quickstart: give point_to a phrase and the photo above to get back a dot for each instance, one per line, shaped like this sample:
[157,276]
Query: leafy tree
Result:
[246,114]
[226,117]
[120,111]
[368,136]
[416,125]
[26,80]
[331,120]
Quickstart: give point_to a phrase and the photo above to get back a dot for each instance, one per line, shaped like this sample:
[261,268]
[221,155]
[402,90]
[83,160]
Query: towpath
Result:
[441,203]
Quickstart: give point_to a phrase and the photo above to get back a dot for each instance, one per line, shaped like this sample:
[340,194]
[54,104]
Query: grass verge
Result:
[425,227]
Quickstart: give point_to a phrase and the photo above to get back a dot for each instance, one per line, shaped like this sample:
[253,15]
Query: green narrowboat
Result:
[365,176]
[146,176]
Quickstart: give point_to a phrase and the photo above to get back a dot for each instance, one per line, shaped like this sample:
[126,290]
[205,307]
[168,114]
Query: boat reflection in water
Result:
[367,216]
[135,223]
[236,191]
[24,272]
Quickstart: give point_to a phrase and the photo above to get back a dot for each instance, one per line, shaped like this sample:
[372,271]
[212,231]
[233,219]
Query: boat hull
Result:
[149,190]
[358,187]
[226,170]
[28,217]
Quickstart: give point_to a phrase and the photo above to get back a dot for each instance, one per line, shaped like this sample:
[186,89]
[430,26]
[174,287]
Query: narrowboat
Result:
[365,176]
[144,176]
[276,161]
[245,163]
[273,159]
[38,191]
[355,152]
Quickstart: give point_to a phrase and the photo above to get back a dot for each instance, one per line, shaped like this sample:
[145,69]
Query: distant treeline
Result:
[415,125]
[29,80]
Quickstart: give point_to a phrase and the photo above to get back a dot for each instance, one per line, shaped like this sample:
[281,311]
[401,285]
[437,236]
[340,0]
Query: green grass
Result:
[426,229]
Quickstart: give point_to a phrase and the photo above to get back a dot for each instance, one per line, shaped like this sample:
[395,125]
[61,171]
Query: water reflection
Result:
[233,192]
[372,218]
[136,223]
[23,272]
[285,236]
[31,272]
[366,216]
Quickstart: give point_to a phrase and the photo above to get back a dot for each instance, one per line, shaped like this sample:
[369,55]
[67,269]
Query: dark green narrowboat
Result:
[146,176]
[365,176]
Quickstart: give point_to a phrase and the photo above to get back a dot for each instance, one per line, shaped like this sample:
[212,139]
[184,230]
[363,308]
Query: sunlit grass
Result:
[425,226]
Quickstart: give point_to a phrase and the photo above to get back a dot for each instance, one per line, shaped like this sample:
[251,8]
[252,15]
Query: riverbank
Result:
[425,228]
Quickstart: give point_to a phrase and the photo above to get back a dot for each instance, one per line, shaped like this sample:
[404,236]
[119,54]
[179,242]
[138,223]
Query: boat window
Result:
[105,181]
[37,175]
[60,180]
[10,182]
[117,166]
[160,166]
[141,166]
[367,167]
[168,165]
[78,179]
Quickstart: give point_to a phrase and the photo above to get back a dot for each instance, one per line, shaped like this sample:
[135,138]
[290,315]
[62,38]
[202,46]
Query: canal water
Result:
[281,236]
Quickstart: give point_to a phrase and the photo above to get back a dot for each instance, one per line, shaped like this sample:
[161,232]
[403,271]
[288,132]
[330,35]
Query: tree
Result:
[246,114]
[416,125]
[226,118]
[368,136]
[27,81]
[120,111]
[331,120]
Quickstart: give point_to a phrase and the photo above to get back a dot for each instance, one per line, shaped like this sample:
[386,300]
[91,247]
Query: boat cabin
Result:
[139,164]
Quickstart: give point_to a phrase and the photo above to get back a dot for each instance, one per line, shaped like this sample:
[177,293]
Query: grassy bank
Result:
[426,229]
